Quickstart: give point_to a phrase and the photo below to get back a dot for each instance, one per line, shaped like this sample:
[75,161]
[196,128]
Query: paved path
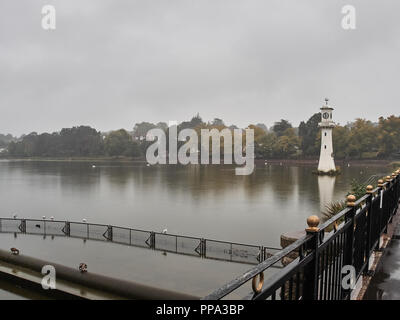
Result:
[385,284]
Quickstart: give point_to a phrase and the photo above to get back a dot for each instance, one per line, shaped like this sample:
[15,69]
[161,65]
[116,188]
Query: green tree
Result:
[308,132]
[281,126]
[118,143]
[288,144]
[389,136]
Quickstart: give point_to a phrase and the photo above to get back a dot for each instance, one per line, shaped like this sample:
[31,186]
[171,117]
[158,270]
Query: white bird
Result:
[84,220]
[164,231]
[44,217]
[51,218]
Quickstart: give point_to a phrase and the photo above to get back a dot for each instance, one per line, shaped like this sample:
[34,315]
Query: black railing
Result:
[186,245]
[317,259]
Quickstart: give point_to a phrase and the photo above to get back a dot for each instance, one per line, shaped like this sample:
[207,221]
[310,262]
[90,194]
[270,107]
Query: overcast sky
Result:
[110,64]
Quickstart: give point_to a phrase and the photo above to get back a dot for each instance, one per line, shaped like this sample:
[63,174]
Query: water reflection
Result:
[205,201]
[326,186]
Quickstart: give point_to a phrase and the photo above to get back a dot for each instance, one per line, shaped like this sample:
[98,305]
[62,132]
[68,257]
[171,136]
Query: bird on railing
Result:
[44,217]
[164,231]
[51,218]
[84,220]
[15,216]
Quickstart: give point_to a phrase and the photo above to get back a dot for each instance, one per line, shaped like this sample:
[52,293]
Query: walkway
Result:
[385,284]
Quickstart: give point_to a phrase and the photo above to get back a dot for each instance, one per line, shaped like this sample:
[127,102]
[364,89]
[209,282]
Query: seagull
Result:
[84,220]
[164,231]
[44,217]
[51,218]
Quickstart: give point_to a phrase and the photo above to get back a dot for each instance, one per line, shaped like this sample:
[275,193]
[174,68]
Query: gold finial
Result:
[257,286]
[312,222]
[370,189]
[351,200]
[380,183]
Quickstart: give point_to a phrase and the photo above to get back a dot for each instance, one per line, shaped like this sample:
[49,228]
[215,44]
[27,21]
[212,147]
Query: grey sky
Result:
[110,64]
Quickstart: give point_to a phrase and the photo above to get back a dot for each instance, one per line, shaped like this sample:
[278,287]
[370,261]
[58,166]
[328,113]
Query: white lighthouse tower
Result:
[326,162]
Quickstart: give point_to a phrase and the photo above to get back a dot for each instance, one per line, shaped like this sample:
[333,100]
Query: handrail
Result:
[346,245]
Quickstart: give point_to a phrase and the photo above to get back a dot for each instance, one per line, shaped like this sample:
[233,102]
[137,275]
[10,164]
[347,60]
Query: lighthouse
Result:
[326,162]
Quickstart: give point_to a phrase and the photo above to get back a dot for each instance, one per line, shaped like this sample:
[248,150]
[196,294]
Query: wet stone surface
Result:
[385,285]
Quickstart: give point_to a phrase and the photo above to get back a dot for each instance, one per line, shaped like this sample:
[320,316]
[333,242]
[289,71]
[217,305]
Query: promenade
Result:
[385,284]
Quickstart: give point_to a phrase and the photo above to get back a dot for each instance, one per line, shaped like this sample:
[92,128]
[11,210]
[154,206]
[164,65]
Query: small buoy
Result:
[83,267]
[14,251]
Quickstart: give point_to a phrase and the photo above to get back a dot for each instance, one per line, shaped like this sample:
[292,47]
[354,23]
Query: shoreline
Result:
[283,162]
[314,162]
[78,159]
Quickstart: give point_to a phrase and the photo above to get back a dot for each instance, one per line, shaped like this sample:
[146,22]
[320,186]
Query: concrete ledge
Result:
[97,282]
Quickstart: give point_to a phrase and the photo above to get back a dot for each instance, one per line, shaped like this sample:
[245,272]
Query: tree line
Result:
[361,139]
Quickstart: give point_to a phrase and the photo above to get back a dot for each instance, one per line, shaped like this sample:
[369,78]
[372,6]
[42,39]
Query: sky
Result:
[110,64]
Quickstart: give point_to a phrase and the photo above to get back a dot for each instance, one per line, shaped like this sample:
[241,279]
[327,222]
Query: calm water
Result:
[201,201]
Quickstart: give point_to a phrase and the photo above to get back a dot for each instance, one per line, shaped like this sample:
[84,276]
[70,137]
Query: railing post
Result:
[310,286]
[349,244]
[369,224]
[387,205]
[22,226]
[67,229]
[381,192]
[153,240]
[109,233]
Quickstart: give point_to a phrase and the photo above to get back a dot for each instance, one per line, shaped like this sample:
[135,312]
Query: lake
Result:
[201,201]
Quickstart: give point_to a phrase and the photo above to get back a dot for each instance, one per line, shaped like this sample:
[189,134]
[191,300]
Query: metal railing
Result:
[186,245]
[317,259]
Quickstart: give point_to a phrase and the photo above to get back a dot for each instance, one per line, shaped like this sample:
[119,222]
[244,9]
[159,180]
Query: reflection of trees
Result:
[76,176]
